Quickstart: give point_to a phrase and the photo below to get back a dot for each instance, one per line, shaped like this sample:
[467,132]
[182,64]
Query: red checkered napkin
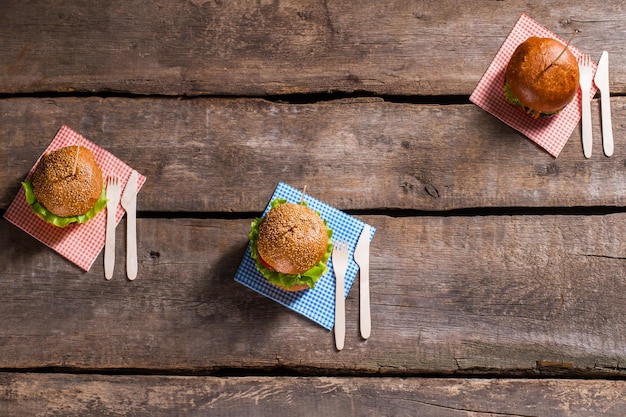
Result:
[550,133]
[80,243]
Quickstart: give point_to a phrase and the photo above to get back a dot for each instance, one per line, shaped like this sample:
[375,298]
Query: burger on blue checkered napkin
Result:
[291,245]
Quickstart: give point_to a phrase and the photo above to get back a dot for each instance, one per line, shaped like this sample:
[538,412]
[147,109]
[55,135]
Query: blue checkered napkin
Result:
[318,304]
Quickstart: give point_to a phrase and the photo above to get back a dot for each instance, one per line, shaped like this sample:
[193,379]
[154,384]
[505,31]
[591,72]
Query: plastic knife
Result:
[129,202]
[602,82]
[362,258]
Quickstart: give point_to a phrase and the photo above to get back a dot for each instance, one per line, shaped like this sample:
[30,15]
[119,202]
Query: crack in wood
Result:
[462,409]
[593,255]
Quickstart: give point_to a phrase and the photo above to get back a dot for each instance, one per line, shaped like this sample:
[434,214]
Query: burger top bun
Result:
[537,80]
[63,191]
[292,239]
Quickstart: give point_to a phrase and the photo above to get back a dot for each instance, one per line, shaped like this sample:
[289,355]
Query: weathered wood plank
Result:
[270,47]
[23,395]
[354,154]
[505,295]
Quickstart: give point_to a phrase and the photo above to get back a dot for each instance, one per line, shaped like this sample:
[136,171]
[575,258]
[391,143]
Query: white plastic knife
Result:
[362,258]
[129,202]
[602,82]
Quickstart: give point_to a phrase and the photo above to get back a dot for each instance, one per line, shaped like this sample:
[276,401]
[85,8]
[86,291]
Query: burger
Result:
[291,245]
[66,187]
[541,76]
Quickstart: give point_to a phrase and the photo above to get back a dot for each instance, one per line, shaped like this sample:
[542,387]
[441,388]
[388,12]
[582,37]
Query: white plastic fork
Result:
[113,198]
[586,76]
[340,265]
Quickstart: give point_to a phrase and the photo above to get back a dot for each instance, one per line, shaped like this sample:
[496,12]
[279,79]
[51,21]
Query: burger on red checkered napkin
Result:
[66,187]
[541,77]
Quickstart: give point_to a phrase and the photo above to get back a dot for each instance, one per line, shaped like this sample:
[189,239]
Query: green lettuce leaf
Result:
[59,221]
[511,98]
[309,277]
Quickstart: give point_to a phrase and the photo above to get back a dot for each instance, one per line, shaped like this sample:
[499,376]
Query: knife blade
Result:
[129,202]
[362,258]
[602,82]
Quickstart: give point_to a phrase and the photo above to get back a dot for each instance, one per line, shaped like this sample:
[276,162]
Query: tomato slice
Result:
[265,264]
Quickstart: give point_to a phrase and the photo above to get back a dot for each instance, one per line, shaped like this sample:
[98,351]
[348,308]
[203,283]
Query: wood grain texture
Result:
[199,47]
[27,395]
[223,155]
[484,295]
[496,271]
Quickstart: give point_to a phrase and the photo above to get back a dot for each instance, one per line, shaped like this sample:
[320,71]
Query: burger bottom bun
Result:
[68,182]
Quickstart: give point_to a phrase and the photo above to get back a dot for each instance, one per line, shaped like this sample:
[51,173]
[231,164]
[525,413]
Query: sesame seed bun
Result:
[542,75]
[63,191]
[292,239]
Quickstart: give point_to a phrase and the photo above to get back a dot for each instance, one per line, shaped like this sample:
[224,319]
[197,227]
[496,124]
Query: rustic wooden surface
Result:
[271,47]
[79,395]
[360,154]
[496,271]
[452,295]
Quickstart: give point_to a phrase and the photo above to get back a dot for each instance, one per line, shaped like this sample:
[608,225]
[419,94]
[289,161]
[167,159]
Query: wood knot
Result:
[417,182]
[304,14]
[431,190]
[353,78]
[550,169]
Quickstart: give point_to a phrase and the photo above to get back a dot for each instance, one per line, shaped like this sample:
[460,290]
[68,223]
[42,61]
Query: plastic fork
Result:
[340,265]
[113,198]
[585,67]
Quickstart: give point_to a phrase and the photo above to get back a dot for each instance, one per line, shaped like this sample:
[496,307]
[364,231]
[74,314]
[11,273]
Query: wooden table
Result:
[498,273]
